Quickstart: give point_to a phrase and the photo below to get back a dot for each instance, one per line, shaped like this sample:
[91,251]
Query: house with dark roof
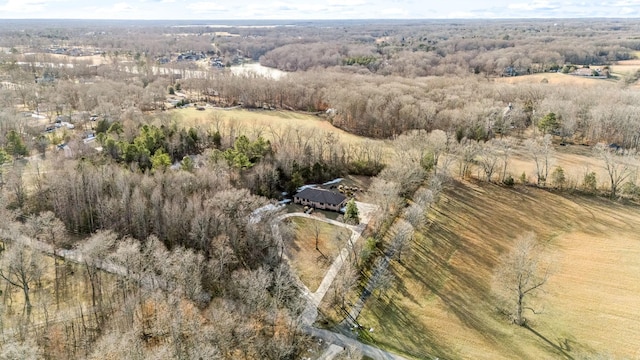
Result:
[320,199]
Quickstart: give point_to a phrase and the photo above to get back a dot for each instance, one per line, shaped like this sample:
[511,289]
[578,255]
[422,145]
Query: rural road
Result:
[310,313]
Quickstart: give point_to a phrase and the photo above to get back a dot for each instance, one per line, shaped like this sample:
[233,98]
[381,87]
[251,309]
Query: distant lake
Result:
[256,68]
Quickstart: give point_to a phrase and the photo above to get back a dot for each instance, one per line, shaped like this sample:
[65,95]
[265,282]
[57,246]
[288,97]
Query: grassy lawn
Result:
[441,304]
[310,264]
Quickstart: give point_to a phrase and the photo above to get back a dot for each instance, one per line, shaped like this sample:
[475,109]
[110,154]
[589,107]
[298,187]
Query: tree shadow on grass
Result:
[417,340]
[557,349]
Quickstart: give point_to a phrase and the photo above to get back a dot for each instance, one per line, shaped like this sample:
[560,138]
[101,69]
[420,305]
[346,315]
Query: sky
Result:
[314,9]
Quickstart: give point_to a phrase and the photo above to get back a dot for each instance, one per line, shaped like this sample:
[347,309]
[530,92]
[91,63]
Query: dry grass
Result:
[310,264]
[442,305]
[555,79]
[575,160]
[74,292]
[265,122]
[626,67]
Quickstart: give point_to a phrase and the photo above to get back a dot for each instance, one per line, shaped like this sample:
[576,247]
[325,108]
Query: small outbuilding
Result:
[320,199]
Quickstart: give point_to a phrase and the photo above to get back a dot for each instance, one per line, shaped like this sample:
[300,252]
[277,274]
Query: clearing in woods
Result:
[442,305]
[555,79]
[310,264]
[267,123]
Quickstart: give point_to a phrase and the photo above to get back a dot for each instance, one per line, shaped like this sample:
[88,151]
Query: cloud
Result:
[624,3]
[204,6]
[23,6]
[627,11]
[534,6]
[122,7]
[460,15]
[345,3]
[395,12]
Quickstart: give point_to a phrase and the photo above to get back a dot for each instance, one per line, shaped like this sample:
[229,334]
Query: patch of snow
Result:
[332,182]
[256,215]
[306,187]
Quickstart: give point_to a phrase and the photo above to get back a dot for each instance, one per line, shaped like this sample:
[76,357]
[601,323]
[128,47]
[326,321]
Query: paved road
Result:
[344,341]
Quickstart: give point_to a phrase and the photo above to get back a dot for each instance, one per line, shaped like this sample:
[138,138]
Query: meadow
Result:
[442,304]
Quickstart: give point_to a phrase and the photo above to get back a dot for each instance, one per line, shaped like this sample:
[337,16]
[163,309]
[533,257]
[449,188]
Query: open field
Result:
[575,160]
[626,66]
[553,78]
[311,264]
[441,304]
[267,123]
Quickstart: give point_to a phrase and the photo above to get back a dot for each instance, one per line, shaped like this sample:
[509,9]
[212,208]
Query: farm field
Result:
[626,66]
[553,78]
[576,160]
[264,122]
[441,304]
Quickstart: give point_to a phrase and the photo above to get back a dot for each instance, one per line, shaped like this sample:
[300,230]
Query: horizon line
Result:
[329,19]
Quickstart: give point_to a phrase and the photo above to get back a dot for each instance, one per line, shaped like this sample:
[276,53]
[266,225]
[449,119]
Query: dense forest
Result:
[128,233]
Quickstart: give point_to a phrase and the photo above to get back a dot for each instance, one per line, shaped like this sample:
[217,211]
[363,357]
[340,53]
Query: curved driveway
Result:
[310,313]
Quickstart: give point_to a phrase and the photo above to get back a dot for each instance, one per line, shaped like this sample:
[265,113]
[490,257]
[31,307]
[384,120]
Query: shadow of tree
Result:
[558,348]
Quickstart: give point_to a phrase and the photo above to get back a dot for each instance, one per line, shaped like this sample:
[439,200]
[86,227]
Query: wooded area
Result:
[127,230]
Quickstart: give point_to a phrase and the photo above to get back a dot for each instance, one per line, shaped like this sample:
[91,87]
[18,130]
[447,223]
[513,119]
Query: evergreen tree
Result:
[351,213]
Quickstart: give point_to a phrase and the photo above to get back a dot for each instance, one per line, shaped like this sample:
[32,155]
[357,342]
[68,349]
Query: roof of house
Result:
[321,196]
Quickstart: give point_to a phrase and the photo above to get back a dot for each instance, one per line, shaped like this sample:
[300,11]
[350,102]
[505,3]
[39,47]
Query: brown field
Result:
[575,160]
[310,264]
[442,304]
[67,59]
[626,66]
[268,124]
[553,78]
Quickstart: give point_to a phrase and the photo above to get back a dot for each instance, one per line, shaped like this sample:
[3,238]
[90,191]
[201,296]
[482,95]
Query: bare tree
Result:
[22,267]
[520,274]
[317,230]
[46,227]
[541,151]
[94,251]
[504,146]
[488,159]
[437,144]
[619,163]
[402,234]
[466,153]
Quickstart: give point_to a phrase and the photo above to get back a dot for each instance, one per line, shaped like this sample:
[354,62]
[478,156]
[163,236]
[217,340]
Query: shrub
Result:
[589,182]
[558,177]
[509,181]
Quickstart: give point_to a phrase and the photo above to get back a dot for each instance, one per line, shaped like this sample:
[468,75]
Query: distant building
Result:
[320,199]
